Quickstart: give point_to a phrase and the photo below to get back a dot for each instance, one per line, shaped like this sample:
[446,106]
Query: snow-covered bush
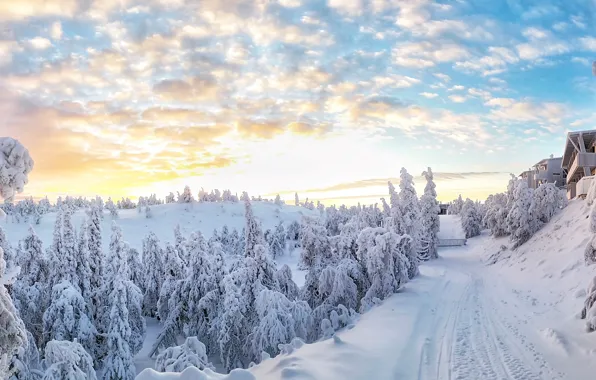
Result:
[192,353]
[314,242]
[287,286]
[25,364]
[66,360]
[471,220]
[15,166]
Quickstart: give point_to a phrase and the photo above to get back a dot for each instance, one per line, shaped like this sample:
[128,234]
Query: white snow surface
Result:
[467,316]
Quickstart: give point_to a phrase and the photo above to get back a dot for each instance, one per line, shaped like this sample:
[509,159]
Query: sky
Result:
[328,98]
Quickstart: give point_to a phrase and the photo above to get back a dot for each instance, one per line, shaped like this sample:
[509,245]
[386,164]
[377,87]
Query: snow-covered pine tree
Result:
[545,204]
[470,219]
[111,207]
[66,264]
[152,259]
[519,219]
[83,268]
[95,257]
[67,317]
[406,219]
[170,198]
[148,212]
[430,218]
[12,331]
[296,200]
[172,273]
[67,361]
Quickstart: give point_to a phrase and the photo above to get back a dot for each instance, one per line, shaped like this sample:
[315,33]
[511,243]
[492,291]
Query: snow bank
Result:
[193,373]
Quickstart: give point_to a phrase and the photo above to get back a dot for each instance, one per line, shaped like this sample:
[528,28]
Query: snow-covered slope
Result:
[204,217]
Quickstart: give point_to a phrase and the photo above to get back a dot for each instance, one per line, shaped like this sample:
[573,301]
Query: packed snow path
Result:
[472,329]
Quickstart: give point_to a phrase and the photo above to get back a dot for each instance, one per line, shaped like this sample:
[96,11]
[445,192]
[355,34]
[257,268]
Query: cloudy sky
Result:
[330,98]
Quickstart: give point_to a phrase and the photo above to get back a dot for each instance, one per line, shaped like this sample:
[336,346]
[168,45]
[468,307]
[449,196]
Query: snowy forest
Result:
[76,309]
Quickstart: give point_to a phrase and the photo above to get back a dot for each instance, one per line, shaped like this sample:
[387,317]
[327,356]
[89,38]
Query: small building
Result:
[547,170]
[579,158]
[443,208]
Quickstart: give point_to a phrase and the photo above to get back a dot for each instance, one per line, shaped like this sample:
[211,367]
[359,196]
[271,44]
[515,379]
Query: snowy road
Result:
[459,320]
[475,330]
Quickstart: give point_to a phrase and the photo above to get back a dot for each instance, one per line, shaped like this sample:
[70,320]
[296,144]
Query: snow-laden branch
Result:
[15,166]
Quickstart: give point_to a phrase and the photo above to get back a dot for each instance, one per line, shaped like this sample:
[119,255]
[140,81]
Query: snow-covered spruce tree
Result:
[456,206]
[12,330]
[148,212]
[67,317]
[546,202]
[136,268]
[83,268]
[119,362]
[185,308]
[170,198]
[15,166]
[186,196]
[519,219]
[253,234]
[430,219]
[66,265]
[25,363]
[278,201]
[287,286]
[296,200]
[152,259]
[95,257]
[314,241]
[192,353]
[470,219]
[180,244]
[111,207]
[495,218]
[589,310]
[590,250]
[172,273]
[67,361]
[30,290]
[7,248]
[117,275]
[380,250]
[278,241]
[280,321]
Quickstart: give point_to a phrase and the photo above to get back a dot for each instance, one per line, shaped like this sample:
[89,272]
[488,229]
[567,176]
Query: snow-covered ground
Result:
[464,317]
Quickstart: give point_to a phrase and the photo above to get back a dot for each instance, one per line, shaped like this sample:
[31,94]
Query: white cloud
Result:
[480,93]
[457,98]
[290,3]
[429,95]
[540,11]
[443,77]
[457,87]
[39,43]
[532,51]
[56,31]
[560,26]
[578,21]
[534,33]
[350,7]
[427,54]
[582,60]
[588,43]
[500,102]
[397,81]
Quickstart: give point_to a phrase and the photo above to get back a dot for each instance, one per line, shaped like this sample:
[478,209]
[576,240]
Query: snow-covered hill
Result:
[204,217]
